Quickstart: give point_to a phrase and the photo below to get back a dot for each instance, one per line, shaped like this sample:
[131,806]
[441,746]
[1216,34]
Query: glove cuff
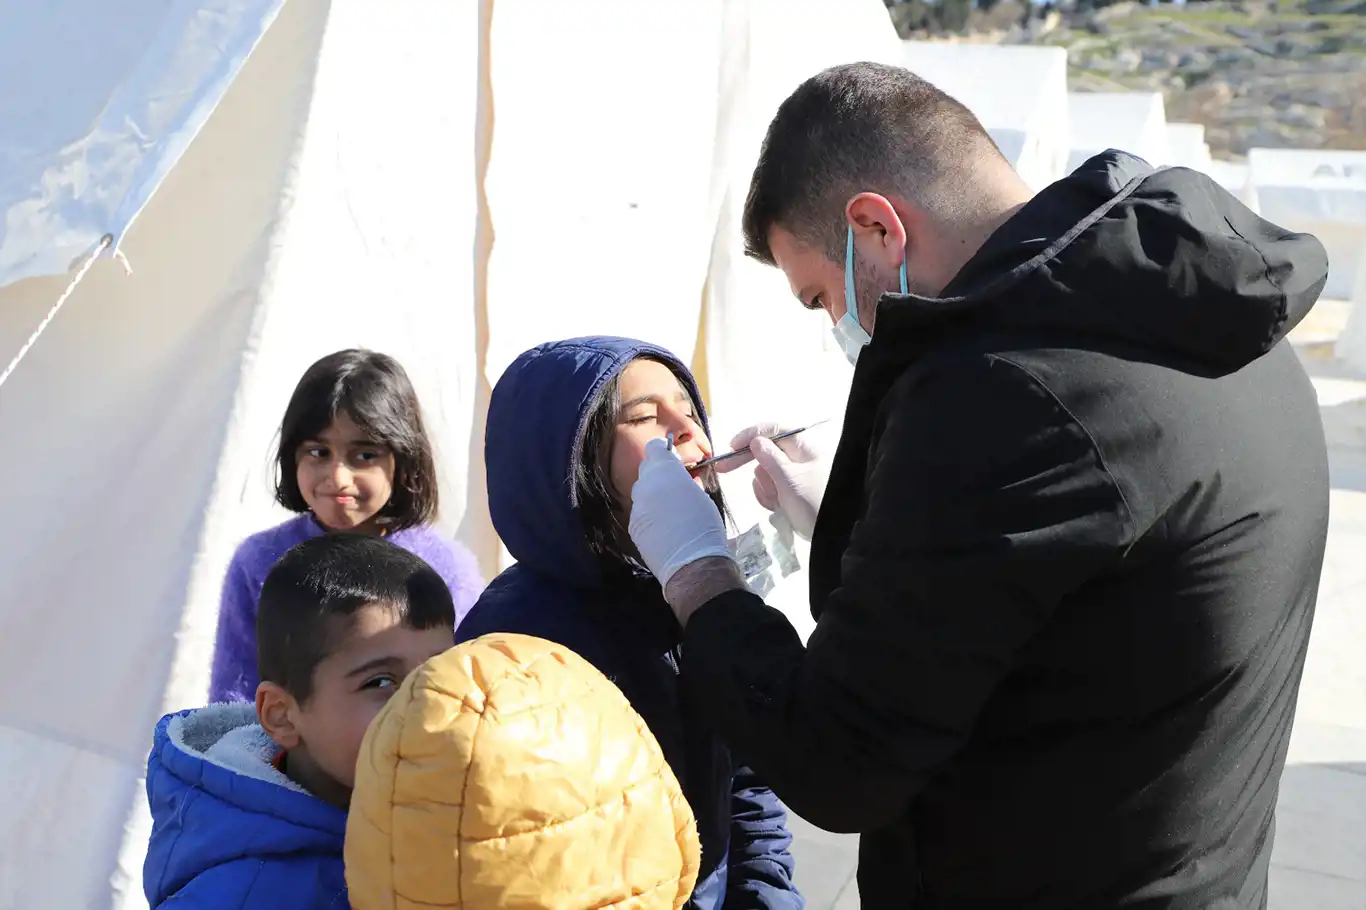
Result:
[708,553]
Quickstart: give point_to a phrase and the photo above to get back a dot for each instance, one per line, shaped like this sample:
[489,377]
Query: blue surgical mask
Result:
[849,332]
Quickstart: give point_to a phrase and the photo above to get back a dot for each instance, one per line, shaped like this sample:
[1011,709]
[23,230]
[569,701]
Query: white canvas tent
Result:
[1234,177]
[632,210]
[1351,344]
[651,208]
[752,325]
[318,207]
[1322,192]
[614,234]
[1186,147]
[1019,93]
[1134,122]
[290,178]
[758,345]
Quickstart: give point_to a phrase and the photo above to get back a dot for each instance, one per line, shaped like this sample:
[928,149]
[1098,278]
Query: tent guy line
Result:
[104,244]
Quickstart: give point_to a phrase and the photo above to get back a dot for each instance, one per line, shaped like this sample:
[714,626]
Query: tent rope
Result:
[104,243]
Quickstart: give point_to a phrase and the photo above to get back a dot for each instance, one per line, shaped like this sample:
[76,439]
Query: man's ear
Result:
[876,215]
[276,710]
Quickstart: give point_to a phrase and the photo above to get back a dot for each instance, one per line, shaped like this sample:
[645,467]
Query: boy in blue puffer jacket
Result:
[249,802]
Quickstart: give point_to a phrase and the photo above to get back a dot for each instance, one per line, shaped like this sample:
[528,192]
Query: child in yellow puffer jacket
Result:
[509,773]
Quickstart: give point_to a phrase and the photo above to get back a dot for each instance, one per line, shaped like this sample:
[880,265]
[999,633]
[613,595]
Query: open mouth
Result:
[703,475]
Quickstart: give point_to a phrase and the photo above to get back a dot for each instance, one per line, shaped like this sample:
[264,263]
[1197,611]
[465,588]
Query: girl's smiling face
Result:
[345,477]
[653,404]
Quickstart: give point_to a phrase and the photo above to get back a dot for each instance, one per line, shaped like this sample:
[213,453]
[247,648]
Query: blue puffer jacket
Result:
[229,831]
[556,592]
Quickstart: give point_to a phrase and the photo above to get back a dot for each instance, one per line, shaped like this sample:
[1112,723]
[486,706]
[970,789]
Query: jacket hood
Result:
[1164,258]
[217,798]
[509,772]
[536,421]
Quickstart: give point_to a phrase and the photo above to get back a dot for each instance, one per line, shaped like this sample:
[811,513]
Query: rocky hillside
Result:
[1271,73]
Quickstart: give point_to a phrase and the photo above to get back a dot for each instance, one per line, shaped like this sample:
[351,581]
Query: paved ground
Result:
[1320,857]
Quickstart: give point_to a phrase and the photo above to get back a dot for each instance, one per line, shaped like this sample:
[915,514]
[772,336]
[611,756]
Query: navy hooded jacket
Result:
[556,591]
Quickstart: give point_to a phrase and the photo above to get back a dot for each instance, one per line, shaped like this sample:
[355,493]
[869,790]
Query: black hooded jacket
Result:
[1065,568]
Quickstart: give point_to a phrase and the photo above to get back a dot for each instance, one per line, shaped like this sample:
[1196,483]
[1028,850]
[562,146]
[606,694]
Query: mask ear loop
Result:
[849,294]
[850,298]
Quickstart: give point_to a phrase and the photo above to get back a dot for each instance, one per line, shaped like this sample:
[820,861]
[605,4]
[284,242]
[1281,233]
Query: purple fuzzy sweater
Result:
[234,658]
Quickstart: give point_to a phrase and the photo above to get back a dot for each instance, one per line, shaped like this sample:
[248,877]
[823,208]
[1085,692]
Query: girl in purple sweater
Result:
[353,456]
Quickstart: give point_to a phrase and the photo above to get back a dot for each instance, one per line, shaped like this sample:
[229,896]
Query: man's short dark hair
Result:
[860,127]
[374,391]
[311,594]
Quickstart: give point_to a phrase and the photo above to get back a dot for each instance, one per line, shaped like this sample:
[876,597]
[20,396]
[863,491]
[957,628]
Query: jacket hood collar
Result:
[1164,258]
[536,421]
[229,736]
[216,797]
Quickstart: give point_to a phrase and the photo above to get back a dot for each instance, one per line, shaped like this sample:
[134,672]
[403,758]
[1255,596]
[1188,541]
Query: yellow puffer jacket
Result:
[509,773]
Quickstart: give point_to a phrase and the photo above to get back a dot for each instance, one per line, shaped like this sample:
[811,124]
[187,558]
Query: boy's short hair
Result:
[319,584]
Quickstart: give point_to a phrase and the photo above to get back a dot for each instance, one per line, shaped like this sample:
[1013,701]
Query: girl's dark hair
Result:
[374,391]
[604,525]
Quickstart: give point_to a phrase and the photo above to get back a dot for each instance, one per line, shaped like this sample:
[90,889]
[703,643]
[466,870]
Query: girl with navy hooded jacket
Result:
[567,427]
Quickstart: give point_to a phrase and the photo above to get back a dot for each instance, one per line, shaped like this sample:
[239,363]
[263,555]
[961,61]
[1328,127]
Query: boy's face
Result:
[323,734]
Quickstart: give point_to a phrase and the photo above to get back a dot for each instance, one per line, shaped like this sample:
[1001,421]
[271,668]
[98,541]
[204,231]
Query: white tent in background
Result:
[1322,192]
[1351,344]
[1019,93]
[752,323]
[762,357]
[318,195]
[614,235]
[1231,175]
[1234,177]
[647,239]
[290,178]
[621,219]
[1186,147]
[1134,122]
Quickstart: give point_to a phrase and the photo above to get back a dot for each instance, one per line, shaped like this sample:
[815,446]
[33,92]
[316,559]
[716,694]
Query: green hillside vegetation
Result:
[1272,73]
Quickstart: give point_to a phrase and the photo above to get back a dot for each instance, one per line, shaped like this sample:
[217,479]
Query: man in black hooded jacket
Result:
[1066,560]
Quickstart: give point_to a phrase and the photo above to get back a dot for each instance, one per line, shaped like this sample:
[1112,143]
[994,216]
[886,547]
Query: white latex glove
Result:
[790,475]
[673,521]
